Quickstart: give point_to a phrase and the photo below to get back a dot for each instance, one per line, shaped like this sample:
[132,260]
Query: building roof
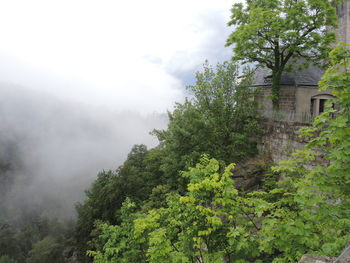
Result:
[307,77]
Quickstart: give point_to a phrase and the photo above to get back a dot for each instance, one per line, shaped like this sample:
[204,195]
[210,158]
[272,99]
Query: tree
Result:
[306,212]
[8,242]
[207,224]
[312,207]
[277,33]
[220,119]
[7,259]
[117,243]
[103,200]
[135,179]
[45,250]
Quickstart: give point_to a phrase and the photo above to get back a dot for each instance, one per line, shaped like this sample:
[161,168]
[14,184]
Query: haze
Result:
[82,81]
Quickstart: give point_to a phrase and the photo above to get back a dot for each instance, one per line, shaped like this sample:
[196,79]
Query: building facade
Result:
[300,98]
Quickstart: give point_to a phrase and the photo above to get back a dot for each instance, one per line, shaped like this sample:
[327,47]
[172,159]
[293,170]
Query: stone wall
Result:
[343,30]
[281,138]
[287,98]
[286,95]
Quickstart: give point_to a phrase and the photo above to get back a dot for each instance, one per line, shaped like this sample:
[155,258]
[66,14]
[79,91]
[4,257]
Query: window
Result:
[318,103]
[322,105]
[312,106]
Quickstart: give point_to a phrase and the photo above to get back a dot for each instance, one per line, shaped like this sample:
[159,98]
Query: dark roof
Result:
[306,77]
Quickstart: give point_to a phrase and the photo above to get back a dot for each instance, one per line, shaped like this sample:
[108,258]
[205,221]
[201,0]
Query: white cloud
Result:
[103,52]
[131,56]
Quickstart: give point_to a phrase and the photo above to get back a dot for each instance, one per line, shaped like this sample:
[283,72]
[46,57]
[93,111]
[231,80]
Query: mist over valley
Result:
[51,150]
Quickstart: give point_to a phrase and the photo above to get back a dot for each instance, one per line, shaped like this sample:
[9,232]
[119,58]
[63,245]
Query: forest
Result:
[180,201]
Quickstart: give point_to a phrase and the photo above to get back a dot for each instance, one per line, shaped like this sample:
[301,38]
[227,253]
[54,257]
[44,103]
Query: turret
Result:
[343,31]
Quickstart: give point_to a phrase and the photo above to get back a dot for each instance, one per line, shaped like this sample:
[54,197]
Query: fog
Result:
[83,81]
[57,147]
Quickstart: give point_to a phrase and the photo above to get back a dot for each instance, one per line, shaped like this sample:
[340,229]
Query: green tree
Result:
[211,222]
[306,212]
[117,243]
[137,173]
[220,119]
[135,179]
[45,250]
[311,210]
[276,34]
[7,259]
[8,242]
[104,198]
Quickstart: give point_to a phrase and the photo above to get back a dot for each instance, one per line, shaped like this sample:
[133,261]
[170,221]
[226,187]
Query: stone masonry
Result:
[281,138]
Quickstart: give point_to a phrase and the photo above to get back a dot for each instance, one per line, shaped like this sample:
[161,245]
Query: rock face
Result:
[308,258]
[281,139]
[248,174]
[345,258]
[69,255]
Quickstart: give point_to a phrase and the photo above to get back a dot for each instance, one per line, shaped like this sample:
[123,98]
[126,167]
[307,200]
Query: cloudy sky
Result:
[126,55]
[81,81]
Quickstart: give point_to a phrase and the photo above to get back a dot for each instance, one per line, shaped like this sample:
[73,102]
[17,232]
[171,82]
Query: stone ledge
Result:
[308,258]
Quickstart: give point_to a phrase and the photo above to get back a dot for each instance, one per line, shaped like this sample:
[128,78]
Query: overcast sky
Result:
[82,81]
[127,55]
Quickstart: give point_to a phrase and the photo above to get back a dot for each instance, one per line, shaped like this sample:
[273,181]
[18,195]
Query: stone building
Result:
[343,31]
[300,99]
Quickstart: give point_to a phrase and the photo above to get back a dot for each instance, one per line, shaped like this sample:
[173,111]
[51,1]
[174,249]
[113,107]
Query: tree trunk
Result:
[276,80]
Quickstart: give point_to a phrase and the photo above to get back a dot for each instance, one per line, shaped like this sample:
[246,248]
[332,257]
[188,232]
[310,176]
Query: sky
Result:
[124,55]
[82,81]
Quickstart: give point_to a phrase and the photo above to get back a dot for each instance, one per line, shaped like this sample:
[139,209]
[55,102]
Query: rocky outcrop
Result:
[346,257]
[281,139]
[308,258]
[343,258]
[69,255]
[249,174]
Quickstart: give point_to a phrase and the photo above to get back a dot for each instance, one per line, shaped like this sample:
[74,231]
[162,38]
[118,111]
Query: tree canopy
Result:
[277,33]
[219,119]
[135,179]
[307,211]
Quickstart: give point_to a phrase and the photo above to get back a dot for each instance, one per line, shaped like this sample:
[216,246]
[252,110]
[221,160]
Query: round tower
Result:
[343,31]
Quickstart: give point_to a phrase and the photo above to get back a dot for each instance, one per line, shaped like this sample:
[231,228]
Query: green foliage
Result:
[136,178]
[7,259]
[45,250]
[306,212]
[205,225]
[274,33]
[117,242]
[103,200]
[220,120]
[8,242]
[157,199]
[18,237]
[314,212]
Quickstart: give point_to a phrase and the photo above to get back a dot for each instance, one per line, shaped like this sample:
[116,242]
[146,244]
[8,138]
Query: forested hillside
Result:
[27,233]
[220,119]
[183,206]
[178,202]
[185,199]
